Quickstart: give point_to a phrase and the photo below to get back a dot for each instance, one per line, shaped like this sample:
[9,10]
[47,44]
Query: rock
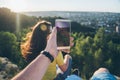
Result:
[7,69]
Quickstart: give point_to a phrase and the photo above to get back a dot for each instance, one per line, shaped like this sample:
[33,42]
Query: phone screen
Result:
[63,33]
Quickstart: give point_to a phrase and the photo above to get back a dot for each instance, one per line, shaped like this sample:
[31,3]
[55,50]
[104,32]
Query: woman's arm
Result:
[66,63]
[37,68]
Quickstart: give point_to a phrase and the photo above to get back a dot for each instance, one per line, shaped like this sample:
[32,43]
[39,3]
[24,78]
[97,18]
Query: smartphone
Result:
[63,33]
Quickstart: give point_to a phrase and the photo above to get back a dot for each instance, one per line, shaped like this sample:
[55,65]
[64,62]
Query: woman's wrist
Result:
[45,58]
[48,55]
[51,52]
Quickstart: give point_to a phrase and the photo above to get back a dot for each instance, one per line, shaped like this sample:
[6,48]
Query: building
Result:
[117,29]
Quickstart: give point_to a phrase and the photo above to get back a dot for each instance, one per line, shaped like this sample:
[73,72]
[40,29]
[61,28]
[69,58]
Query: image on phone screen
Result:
[63,33]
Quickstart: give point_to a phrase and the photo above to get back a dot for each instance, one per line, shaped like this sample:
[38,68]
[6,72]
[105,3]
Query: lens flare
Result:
[17,23]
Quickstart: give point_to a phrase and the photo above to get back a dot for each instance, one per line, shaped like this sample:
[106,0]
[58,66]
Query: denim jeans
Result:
[103,76]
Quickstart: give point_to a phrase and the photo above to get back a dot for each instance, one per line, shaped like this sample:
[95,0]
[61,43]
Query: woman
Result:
[37,68]
[36,42]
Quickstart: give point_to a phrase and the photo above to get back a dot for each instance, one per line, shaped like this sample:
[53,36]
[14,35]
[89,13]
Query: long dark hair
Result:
[36,41]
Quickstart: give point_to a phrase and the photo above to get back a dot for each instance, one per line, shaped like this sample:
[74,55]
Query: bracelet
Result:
[48,55]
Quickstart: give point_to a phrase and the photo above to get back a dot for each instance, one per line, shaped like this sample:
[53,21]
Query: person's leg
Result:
[101,70]
[102,74]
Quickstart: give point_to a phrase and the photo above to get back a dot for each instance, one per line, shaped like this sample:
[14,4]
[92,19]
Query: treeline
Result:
[9,20]
[93,52]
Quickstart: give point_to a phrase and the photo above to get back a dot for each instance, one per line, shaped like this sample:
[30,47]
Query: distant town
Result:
[111,21]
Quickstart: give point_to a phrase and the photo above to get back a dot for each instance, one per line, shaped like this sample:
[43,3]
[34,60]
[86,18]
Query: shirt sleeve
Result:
[59,59]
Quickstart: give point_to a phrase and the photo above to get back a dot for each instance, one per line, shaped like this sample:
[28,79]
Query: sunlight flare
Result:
[17,22]
[17,5]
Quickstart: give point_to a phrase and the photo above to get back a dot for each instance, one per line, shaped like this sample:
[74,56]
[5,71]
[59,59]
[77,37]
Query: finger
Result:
[54,32]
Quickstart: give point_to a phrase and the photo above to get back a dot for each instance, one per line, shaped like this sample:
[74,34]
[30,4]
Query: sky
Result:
[62,5]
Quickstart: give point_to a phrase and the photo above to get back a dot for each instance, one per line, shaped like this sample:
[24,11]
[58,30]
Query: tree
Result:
[9,48]
[82,55]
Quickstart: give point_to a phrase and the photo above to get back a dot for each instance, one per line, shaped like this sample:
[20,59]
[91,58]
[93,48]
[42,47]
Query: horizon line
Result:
[65,11]
[62,11]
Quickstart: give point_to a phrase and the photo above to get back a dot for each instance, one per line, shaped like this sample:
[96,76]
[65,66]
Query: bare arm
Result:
[37,68]
[66,63]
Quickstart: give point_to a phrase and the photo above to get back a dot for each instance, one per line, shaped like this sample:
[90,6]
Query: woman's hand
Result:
[51,43]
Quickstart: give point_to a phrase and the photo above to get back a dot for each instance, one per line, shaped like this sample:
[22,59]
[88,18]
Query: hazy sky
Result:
[62,5]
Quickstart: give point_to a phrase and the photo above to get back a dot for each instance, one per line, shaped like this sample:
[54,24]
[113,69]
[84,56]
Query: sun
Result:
[17,5]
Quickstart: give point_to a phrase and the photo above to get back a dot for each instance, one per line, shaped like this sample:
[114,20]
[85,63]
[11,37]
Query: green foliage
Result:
[90,53]
[7,42]
[9,48]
